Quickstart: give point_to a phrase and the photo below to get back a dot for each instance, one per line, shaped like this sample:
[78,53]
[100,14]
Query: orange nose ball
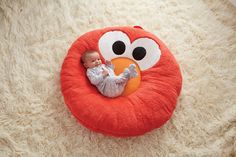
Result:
[122,63]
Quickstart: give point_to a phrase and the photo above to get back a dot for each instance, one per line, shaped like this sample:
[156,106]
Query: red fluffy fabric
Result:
[149,107]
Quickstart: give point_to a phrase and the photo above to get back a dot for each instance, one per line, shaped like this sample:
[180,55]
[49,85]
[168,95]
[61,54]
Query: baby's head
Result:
[91,59]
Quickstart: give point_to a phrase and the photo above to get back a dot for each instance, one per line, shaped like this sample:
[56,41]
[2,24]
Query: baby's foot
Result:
[133,72]
[132,67]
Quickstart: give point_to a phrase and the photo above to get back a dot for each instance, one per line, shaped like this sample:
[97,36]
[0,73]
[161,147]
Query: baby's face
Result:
[92,60]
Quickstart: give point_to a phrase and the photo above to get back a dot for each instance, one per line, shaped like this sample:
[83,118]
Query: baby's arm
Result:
[93,78]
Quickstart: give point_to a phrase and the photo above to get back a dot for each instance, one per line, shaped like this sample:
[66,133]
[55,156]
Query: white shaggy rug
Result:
[34,39]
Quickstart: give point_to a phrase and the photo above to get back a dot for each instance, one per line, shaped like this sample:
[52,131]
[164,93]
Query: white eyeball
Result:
[114,44]
[145,52]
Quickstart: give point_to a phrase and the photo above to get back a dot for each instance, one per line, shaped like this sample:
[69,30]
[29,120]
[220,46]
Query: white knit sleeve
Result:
[93,77]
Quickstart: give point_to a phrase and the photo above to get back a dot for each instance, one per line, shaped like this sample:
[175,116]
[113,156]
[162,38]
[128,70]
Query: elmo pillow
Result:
[147,102]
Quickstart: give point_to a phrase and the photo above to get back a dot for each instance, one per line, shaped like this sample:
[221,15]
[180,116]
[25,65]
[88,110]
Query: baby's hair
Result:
[85,55]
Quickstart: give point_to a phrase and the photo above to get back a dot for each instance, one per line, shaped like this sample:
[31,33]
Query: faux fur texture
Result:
[149,107]
[34,39]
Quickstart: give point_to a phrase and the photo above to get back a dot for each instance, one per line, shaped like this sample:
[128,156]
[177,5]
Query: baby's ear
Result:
[85,65]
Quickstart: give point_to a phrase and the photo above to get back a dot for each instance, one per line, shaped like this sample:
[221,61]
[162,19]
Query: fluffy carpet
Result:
[34,39]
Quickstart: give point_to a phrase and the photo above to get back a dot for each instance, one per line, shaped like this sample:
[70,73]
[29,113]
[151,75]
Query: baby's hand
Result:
[110,65]
[108,62]
[105,73]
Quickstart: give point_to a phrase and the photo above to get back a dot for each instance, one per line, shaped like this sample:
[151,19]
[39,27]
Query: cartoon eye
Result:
[113,44]
[118,47]
[145,52]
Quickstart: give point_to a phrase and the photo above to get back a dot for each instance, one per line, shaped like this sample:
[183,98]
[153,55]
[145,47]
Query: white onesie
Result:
[111,85]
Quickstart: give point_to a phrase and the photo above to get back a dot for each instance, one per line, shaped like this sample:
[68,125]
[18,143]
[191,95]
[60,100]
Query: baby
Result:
[103,76]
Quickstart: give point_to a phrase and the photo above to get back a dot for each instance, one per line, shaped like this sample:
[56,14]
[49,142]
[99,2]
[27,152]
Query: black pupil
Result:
[118,47]
[139,53]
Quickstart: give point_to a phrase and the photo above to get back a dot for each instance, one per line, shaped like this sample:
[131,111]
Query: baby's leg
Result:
[111,88]
[114,85]
[133,72]
[128,73]
[123,77]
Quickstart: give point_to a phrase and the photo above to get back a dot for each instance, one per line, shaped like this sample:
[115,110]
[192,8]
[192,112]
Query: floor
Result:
[34,39]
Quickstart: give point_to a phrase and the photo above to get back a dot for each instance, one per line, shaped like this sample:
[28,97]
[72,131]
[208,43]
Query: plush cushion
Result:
[148,101]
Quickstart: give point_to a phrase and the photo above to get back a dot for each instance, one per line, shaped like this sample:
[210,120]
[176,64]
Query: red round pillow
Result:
[147,102]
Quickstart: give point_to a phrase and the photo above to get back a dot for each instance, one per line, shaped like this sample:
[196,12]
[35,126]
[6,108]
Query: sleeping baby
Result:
[103,76]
